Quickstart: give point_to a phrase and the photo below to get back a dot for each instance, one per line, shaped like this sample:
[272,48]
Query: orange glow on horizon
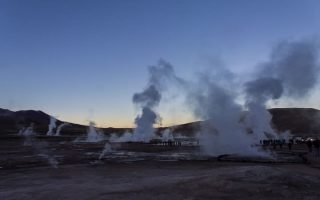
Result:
[120,124]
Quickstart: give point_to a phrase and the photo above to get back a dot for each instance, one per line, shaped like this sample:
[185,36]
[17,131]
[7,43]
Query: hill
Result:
[299,121]
[11,122]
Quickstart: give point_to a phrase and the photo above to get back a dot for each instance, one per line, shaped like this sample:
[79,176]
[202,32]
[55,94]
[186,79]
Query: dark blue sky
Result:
[83,60]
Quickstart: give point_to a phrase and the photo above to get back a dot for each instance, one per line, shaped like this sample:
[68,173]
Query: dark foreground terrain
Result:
[54,168]
[299,121]
[163,180]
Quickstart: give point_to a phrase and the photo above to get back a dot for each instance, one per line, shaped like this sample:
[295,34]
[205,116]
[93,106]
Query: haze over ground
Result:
[83,60]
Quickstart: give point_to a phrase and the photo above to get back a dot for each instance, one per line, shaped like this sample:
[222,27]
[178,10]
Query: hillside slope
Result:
[300,121]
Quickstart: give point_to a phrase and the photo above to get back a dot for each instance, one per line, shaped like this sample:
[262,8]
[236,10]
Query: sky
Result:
[83,60]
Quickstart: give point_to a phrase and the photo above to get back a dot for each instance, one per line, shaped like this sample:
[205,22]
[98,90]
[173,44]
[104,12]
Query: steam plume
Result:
[60,128]
[94,134]
[221,131]
[28,134]
[107,149]
[40,148]
[291,72]
[52,126]
[148,100]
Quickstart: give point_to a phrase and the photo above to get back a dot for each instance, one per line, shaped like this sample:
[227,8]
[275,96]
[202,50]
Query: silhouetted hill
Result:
[188,129]
[11,122]
[300,121]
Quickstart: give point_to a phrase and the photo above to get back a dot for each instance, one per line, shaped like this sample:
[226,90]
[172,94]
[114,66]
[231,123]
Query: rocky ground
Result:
[180,173]
[163,180]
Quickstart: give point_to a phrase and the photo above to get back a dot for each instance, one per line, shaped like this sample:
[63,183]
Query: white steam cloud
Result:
[52,126]
[60,127]
[230,127]
[292,72]
[148,100]
[94,134]
[39,147]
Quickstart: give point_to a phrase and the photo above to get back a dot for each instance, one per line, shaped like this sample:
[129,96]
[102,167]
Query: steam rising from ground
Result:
[40,148]
[230,127]
[60,127]
[167,135]
[52,126]
[291,72]
[94,134]
[221,132]
[107,149]
[148,100]
[28,135]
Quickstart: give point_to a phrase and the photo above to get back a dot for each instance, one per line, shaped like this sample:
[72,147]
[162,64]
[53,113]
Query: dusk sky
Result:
[83,60]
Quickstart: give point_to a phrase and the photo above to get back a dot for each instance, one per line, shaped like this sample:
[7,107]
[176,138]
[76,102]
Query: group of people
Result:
[313,145]
[167,143]
[277,142]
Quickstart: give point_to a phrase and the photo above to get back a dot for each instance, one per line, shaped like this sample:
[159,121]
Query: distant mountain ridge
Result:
[299,121]
[12,121]
[30,115]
